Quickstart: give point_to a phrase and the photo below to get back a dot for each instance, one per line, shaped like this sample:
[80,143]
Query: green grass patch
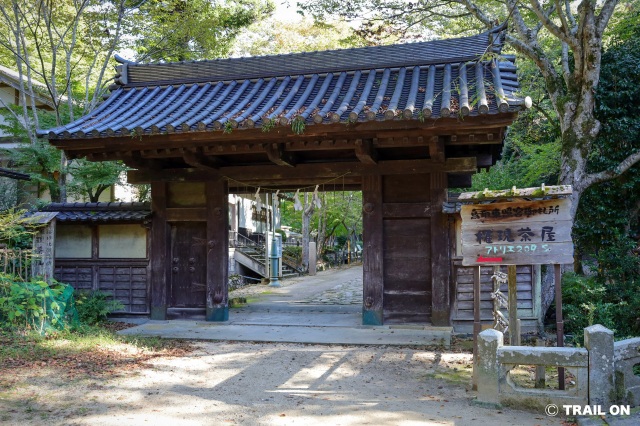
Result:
[237,302]
[454,376]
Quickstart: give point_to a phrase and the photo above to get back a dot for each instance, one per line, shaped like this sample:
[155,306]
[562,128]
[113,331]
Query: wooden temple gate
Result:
[402,123]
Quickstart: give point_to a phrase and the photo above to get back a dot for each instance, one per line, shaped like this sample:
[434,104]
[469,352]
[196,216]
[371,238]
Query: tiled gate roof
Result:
[415,81]
[99,212]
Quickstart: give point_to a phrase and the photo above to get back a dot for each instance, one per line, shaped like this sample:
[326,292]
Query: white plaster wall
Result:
[244,213]
[122,242]
[73,241]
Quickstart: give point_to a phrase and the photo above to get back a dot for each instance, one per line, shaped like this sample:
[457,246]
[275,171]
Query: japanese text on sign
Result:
[519,232]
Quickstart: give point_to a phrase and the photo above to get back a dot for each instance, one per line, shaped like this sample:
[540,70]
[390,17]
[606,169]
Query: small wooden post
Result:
[477,325]
[514,335]
[559,320]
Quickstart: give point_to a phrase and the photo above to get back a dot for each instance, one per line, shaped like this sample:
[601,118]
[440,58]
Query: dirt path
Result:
[266,384]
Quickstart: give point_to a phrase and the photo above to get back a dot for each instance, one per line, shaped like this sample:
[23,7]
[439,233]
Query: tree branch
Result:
[546,115]
[566,71]
[605,14]
[521,26]
[537,8]
[479,14]
[572,20]
[606,175]
[563,19]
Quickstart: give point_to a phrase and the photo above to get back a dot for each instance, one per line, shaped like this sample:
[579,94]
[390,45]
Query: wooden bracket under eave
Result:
[134,159]
[277,155]
[436,148]
[198,160]
[366,152]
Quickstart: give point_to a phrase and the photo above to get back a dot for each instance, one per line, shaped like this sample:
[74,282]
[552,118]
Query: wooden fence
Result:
[16,262]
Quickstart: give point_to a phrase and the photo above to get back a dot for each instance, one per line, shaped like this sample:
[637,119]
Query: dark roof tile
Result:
[99,212]
[407,81]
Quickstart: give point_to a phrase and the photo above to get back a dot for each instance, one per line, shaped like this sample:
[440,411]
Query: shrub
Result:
[609,298]
[35,305]
[584,304]
[93,307]
[294,252]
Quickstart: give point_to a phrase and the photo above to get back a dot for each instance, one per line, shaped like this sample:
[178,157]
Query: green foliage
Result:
[293,251]
[602,299]
[14,229]
[34,305]
[529,165]
[298,125]
[42,162]
[343,212]
[269,124]
[583,304]
[93,307]
[271,37]
[341,241]
[90,179]
[383,21]
[177,30]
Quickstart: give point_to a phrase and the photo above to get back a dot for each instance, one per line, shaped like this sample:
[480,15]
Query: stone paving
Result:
[347,291]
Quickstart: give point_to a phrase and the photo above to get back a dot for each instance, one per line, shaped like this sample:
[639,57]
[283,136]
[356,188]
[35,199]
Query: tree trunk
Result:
[307,212]
[62,178]
[322,228]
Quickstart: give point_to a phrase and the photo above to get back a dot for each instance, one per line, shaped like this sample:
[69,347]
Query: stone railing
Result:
[603,371]
[626,356]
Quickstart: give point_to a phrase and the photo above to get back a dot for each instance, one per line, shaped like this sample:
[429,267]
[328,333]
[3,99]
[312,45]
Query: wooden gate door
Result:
[188,265]
[407,249]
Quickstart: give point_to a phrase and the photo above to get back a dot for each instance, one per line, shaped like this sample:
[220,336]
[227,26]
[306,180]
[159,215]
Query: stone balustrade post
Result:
[598,340]
[489,341]
[312,258]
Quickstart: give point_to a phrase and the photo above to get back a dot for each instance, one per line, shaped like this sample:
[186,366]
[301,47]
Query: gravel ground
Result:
[267,384]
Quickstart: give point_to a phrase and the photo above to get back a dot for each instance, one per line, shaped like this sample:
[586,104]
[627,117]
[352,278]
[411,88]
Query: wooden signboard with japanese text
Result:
[517,233]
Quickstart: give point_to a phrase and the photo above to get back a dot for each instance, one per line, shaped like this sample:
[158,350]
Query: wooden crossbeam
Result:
[317,171]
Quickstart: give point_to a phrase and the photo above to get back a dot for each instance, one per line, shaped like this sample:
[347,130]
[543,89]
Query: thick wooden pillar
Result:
[159,262]
[440,256]
[373,278]
[217,308]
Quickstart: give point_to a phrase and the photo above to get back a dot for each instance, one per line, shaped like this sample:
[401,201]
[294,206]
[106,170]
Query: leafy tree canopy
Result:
[179,30]
[271,37]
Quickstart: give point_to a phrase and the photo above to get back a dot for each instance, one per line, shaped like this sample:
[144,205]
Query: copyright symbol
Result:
[551,410]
